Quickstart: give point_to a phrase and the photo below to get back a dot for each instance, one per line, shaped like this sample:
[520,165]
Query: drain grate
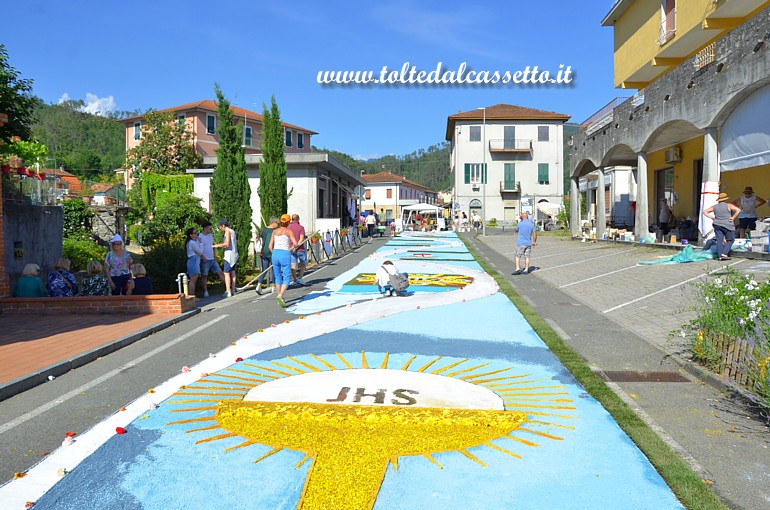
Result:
[638,376]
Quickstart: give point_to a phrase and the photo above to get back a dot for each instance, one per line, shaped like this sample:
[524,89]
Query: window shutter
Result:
[467,173]
[509,176]
[484,173]
[542,173]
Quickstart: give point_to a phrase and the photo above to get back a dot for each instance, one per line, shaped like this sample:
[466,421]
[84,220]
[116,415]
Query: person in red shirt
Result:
[298,252]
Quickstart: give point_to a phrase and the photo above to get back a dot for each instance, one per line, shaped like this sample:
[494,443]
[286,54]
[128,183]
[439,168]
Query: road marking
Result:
[562,334]
[5,427]
[584,261]
[597,276]
[562,252]
[667,288]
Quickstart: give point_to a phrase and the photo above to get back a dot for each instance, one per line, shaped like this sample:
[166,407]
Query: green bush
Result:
[82,250]
[164,261]
[178,212]
[77,217]
[492,222]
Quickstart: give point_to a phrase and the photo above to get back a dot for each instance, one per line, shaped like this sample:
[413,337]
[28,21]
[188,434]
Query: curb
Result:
[41,376]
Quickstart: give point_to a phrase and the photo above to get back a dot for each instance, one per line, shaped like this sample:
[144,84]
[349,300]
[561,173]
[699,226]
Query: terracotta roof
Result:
[503,112]
[211,106]
[58,172]
[101,187]
[385,177]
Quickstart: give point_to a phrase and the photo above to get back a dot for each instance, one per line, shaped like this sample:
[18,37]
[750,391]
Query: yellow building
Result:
[697,124]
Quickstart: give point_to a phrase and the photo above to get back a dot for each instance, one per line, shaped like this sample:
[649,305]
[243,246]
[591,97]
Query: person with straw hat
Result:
[723,213]
[748,202]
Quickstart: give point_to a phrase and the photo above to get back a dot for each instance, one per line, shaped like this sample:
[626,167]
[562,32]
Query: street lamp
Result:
[484,175]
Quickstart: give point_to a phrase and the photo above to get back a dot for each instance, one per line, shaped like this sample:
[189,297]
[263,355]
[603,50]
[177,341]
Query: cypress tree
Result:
[273,192]
[230,192]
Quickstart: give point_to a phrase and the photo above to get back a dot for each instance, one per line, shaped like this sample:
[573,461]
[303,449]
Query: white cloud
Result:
[94,104]
[361,157]
[99,105]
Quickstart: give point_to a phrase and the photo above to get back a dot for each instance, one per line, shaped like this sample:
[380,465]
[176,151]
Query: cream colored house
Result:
[506,159]
[387,193]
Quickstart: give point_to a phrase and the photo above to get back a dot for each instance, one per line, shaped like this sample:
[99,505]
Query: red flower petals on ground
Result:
[238,359]
[120,430]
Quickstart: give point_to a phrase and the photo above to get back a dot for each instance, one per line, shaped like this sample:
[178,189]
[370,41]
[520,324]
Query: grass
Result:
[693,492]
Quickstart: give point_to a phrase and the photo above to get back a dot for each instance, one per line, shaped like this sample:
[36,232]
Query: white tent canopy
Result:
[409,210]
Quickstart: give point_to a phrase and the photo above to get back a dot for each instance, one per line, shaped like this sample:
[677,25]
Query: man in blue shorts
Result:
[298,252]
[526,240]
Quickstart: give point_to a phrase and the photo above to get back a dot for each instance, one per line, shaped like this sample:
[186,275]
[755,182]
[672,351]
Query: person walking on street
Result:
[371,222]
[280,244]
[748,203]
[298,251]
[230,256]
[526,240]
[723,214]
[476,219]
[208,260]
[265,254]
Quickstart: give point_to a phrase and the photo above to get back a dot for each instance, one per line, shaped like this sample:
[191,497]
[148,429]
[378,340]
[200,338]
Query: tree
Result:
[230,192]
[16,101]
[166,147]
[273,192]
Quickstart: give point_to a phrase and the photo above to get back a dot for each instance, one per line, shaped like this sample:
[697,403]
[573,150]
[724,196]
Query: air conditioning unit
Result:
[673,155]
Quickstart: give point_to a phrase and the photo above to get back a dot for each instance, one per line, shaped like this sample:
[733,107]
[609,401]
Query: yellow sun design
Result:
[355,435]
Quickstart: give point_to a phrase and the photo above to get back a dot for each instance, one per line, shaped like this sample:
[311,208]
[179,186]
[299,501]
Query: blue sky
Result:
[158,54]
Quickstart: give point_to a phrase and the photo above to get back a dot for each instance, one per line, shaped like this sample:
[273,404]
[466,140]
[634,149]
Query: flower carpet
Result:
[444,398]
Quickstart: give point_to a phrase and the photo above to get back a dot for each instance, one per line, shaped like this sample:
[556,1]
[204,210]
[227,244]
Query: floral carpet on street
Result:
[443,398]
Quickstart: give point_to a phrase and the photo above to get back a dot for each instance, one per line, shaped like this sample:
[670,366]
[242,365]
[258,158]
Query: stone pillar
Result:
[601,206]
[642,229]
[574,206]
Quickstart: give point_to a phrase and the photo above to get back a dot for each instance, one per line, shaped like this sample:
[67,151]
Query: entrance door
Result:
[697,180]
[664,189]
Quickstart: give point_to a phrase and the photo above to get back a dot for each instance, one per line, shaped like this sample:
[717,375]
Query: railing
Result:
[510,145]
[602,117]
[733,358]
[667,27]
[705,56]
[29,190]
[514,186]
[331,246]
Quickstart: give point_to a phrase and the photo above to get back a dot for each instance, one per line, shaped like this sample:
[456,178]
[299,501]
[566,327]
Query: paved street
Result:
[623,317]
[614,313]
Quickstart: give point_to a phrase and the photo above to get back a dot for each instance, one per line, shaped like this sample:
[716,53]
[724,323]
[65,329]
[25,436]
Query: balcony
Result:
[508,145]
[510,186]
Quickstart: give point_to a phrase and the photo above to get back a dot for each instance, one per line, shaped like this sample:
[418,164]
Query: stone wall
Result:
[32,234]
[108,221]
[5,282]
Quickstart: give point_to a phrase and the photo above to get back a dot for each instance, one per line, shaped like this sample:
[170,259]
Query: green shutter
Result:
[484,173]
[509,176]
[542,173]
[467,173]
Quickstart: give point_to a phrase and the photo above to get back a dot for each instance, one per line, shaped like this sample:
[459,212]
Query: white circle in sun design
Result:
[377,387]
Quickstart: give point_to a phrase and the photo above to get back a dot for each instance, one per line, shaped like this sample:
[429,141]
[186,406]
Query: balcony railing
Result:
[510,186]
[510,145]
[667,27]
[29,190]
[705,56]
[603,117]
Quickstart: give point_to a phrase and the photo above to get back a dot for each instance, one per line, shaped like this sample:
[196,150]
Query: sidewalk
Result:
[34,349]
[619,317]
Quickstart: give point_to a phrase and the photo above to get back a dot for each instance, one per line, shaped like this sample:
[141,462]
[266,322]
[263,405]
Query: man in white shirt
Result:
[230,256]
[209,260]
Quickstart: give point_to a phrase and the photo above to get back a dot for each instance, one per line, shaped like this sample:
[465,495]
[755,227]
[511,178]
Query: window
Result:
[300,140]
[475,134]
[137,130]
[288,138]
[542,173]
[509,137]
[475,173]
[542,133]
[509,176]
[211,124]
[389,193]
[181,119]
[247,136]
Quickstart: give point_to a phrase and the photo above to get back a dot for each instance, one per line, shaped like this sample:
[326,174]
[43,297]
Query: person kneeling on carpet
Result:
[390,281]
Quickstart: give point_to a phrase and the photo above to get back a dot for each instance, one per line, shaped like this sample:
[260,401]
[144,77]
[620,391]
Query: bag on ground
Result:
[399,282]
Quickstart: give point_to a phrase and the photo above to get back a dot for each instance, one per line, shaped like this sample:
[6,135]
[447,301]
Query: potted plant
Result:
[86,193]
[315,237]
